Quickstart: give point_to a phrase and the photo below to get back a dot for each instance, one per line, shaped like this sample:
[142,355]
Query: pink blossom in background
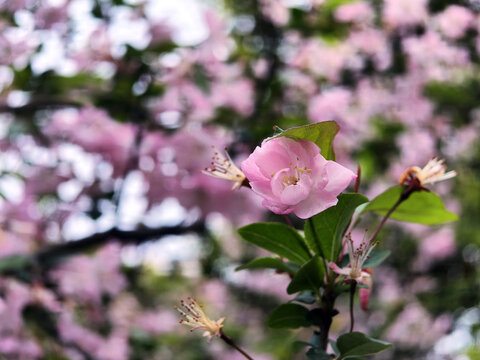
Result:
[358,12]
[400,13]
[326,61]
[331,104]
[433,55]
[72,332]
[177,162]
[454,21]
[415,327]
[237,95]
[157,322]
[292,176]
[276,11]
[95,51]
[88,277]
[160,33]
[115,347]
[434,247]
[374,44]
[51,17]
[92,129]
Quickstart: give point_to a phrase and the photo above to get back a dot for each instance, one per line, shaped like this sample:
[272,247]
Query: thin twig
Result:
[230,342]
[404,196]
[353,288]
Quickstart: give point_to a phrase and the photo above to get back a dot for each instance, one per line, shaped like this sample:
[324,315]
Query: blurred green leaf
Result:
[324,231]
[321,133]
[421,207]
[354,344]
[306,297]
[309,277]
[14,263]
[277,238]
[289,316]
[376,258]
[268,263]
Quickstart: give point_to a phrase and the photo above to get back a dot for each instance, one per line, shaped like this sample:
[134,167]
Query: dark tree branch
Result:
[137,236]
[21,266]
[36,105]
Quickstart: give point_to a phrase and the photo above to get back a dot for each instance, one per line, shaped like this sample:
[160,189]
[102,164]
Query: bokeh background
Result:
[109,110]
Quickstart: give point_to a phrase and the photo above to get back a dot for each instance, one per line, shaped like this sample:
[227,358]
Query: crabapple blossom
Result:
[194,316]
[292,176]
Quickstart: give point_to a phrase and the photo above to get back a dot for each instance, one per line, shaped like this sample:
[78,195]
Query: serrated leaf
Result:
[322,134]
[324,231]
[356,344]
[308,277]
[268,263]
[288,316]
[421,207]
[277,238]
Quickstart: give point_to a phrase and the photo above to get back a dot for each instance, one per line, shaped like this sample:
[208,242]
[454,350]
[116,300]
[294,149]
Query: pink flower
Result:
[292,176]
[454,21]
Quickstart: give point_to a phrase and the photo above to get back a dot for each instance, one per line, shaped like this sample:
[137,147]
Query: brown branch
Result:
[20,265]
[137,236]
[36,105]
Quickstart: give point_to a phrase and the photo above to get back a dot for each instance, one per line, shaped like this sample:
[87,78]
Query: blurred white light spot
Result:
[78,226]
[185,17]
[69,190]
[169,169]
[17,98]
[168,213]
[12,188]
[170,119]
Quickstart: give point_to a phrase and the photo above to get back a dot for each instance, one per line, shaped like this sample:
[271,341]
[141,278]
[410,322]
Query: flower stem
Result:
[353,288]
[404,196]
[230,342]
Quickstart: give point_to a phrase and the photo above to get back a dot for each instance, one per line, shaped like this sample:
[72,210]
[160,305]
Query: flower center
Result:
[295,173]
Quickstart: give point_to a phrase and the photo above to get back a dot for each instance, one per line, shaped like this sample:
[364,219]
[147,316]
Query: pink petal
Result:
[339,177]
[269,162]
[250,168]
[338,269]
[293,194]
[314,204]
[364,297]
[277,208]
[276,183]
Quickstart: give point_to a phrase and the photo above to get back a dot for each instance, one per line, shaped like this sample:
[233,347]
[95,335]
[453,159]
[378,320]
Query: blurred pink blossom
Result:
[358,12]
[399,13]
[454,21]
[88,277]
[414,327]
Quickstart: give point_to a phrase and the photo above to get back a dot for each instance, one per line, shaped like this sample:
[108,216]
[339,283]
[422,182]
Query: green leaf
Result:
[324,231]
[421,207]
[322,134]
[14,263]
[376,258]
[268,263]
[356,344]
[289,316]
[309,277]
[306,297]
[277,238]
